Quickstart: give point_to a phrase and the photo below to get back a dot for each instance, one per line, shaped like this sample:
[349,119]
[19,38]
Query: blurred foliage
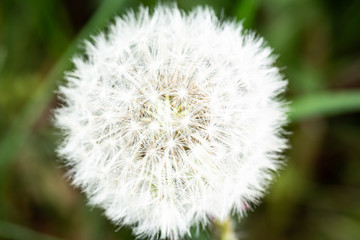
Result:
[316,196]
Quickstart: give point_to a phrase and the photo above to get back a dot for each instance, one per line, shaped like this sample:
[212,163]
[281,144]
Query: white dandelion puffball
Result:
[171,118]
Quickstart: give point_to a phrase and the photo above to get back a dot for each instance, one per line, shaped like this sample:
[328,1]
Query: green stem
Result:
[227,231]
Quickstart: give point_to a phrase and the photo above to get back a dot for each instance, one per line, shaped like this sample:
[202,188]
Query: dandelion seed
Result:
[172,119]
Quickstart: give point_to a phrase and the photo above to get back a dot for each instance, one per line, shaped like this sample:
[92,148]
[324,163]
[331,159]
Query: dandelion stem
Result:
[226,229]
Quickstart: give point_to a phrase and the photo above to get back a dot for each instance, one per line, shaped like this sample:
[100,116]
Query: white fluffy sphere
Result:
[171,118]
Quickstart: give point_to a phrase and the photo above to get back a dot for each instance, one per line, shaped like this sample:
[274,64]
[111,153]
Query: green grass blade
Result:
[2,57]
[324,104]
[16,232]
[20,130]
[246,10]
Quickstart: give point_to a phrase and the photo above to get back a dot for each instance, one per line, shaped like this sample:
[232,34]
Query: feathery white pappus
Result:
[172,117]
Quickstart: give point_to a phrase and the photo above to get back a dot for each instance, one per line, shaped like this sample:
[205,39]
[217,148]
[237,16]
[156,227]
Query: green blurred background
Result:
[315,196]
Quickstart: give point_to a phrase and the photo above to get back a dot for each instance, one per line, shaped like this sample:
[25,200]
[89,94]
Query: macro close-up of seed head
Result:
[172,118]
[179,120]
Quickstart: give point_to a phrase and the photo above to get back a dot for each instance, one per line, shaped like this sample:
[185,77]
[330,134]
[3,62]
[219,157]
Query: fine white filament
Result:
[171,118]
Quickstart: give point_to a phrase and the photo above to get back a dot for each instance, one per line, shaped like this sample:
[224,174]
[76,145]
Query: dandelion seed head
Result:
[171,119]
